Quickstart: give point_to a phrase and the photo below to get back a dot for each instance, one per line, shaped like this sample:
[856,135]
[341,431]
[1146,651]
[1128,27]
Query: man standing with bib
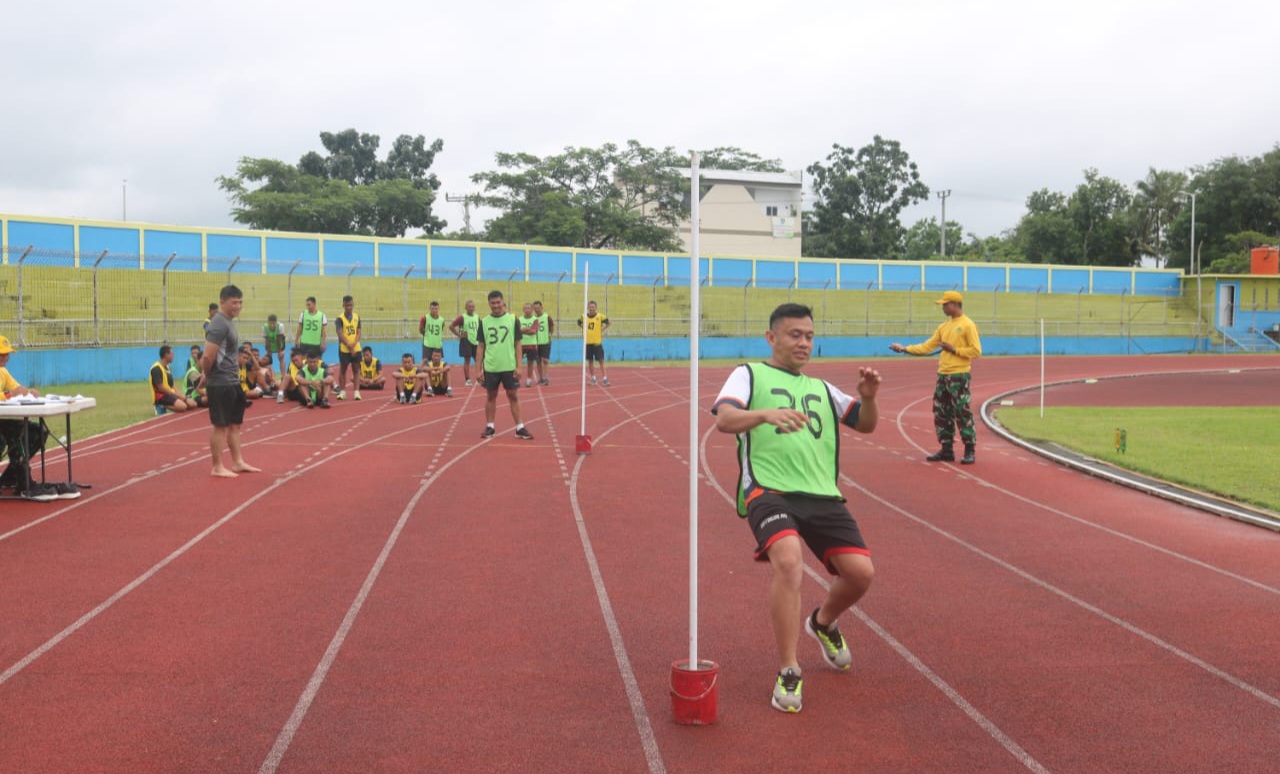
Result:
[498,356]
[348,327]
[312,330]
[788,428]
[431,326]
[466,326]
[546,327]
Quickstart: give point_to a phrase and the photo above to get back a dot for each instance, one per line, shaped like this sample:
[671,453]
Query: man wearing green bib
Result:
[787,426]
[311,334]
[465,326]
[431,326]
[499,343]
[546,326]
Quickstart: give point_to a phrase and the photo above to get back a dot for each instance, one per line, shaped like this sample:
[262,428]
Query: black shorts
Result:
[366,385]
[311,349]
[530,354]
[595,352]
[166,400]
[466,349]
[226,404]
[435,389]
[506,379]
[544,351]
[826,526]
[349,358]
[427,352]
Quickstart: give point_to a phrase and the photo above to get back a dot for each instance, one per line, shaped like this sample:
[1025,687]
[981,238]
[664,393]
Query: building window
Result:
[771,211]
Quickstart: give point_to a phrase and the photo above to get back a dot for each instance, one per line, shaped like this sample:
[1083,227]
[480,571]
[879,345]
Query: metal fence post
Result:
[510,299]
[22,317]
[288,299]
[457,287]
[164,293]
[654,290]
[563,274]
[97,340]
[744,306]
[231,268]
[910,288]
[353,271]
[404,285]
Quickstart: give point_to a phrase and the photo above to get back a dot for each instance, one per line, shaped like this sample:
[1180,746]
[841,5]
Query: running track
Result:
[395,595]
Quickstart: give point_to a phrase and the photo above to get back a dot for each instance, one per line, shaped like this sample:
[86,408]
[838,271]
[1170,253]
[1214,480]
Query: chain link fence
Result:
[58,299]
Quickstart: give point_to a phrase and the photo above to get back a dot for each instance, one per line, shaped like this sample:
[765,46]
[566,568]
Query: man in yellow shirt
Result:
[958,339]
[595,324]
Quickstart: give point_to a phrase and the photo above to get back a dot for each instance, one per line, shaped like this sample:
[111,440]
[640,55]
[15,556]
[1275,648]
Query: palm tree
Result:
[1157,203]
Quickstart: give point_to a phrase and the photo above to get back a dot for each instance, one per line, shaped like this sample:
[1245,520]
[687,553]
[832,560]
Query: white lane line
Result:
[1131,628]
[1086,522]
[639,714]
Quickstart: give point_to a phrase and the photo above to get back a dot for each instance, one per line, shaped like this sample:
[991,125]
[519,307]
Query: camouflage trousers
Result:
[951,409]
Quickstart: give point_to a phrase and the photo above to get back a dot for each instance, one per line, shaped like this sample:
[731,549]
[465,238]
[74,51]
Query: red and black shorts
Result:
[826,526]
[166,399]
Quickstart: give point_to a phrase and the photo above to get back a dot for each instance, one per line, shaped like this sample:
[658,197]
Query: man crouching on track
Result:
[789,457]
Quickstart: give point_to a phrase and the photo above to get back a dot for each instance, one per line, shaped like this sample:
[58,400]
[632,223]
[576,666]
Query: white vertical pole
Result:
[586,281]
[695,308]
[1042,368]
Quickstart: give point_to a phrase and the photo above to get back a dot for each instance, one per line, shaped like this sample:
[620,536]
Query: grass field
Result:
[1224,451]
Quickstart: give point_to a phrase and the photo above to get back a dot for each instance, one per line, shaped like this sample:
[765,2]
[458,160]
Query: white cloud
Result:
[992,99]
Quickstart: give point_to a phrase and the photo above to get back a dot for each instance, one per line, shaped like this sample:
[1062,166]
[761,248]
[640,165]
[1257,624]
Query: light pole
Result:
[943,196]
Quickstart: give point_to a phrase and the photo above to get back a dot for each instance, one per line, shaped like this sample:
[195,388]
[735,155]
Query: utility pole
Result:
[465,200]
[943,196]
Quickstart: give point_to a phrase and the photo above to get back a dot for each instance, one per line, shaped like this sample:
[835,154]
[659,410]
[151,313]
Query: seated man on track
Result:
[163,394]
[408,380]
[436,376]
[371,376]
[193,387]
[314,383]
[289,383]
[249,373]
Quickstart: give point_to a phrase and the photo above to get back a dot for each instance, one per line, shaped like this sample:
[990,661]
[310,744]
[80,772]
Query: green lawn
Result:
[1230,452]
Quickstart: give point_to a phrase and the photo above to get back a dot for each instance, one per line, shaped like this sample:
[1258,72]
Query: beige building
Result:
[748,213]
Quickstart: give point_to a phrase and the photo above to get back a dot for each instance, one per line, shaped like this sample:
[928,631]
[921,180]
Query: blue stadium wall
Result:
[67,241]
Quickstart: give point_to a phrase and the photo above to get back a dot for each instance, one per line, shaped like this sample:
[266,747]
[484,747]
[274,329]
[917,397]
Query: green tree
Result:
[1234,195]
[734,158]
[608,197]
[923,240]
[347,191]
[859,196]
[1098,210]
[1046,233]
[1158,201]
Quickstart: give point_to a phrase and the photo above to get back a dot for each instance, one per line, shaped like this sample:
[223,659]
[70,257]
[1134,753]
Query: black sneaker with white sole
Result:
[489,432]
[66,490]
[524,434]
[41,492]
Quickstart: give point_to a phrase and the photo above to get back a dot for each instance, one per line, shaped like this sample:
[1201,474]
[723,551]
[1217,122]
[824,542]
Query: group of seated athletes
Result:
[306,379]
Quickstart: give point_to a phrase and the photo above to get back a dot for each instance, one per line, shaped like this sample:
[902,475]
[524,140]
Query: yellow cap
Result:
[5,346]
[950,295]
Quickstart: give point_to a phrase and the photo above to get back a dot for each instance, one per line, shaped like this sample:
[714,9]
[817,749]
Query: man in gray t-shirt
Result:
[222,380]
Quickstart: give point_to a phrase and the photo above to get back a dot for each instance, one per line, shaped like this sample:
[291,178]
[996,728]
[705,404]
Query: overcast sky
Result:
[992,99]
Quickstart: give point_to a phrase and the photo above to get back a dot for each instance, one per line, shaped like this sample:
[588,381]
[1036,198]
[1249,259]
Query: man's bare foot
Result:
[244,467]
[221,472]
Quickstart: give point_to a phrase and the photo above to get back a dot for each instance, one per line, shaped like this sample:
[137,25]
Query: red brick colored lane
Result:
[190,671]
[849,719]
[1223,388]
[481,648]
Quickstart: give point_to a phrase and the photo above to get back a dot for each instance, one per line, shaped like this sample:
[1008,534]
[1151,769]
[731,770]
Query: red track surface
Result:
[394,594]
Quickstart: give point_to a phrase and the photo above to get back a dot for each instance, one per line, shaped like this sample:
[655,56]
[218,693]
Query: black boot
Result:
[945,454]
[968,455]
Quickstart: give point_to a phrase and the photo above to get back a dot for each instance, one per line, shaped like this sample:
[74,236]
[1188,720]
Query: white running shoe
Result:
[357,395]
[342,394]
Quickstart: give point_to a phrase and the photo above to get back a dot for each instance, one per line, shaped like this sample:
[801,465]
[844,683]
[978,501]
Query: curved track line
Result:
[1083,521]
[1248,688]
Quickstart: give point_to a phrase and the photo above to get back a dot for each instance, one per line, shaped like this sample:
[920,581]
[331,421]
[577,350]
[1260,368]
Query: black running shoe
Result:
[489,432]
[524,434]
[66,490]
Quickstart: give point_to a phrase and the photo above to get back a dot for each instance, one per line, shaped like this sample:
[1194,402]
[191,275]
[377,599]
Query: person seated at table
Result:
[314,382]
[371,376]
[436,376]
[163,394]
[21,438]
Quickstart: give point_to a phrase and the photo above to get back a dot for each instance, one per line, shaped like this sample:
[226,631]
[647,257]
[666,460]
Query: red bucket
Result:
[694,693]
